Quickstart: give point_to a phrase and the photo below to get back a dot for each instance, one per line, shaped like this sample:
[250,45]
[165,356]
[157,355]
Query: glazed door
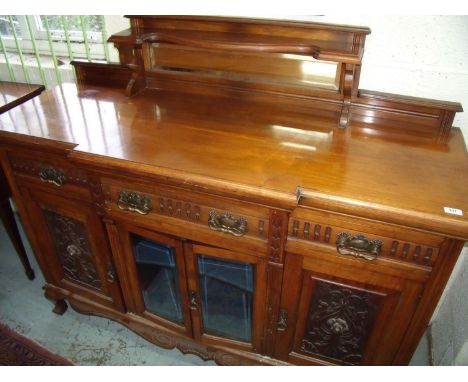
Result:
[154,266]
[332,314]
[227,296]
[73,243]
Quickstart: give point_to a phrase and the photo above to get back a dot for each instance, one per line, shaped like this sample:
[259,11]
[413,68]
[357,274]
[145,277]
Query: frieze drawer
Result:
[50,170]
[230,223]
[363,239]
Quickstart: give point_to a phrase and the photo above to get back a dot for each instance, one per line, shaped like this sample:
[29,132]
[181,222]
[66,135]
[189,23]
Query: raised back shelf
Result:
[257,43]
[309,64]
[334,42]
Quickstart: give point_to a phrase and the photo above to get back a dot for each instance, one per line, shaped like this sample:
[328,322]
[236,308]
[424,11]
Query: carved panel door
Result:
[73,244]
[342,317]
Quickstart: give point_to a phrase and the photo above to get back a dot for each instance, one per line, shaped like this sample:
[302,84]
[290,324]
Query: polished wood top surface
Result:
[12,94]
[249,148]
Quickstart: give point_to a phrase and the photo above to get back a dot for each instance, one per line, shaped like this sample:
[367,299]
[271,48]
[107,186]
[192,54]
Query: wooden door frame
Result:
[399,297]
[128,270]
[192,250]
[37,201]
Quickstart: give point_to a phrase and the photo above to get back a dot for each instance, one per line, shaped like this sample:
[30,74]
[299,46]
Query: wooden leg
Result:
[8,219]
[60,307]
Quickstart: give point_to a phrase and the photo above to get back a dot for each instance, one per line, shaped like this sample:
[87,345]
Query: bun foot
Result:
[60,307]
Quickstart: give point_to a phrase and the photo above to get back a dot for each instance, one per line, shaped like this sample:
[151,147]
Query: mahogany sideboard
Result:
[227,189]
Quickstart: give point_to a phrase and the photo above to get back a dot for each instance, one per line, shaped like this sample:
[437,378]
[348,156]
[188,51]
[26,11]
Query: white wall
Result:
[421,56]
[115,24]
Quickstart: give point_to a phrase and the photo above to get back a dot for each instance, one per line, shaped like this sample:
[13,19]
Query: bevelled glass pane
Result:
[226,293]
[157,272]
[292,70]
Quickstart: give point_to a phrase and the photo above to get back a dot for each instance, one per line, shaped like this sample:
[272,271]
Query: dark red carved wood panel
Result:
[73,249]
[339,322]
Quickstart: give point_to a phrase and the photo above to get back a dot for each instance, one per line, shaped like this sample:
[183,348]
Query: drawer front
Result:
[374,240]
[50,170]
[215,220]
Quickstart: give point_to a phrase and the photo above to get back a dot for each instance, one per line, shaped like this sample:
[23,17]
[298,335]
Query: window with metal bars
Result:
[39,49]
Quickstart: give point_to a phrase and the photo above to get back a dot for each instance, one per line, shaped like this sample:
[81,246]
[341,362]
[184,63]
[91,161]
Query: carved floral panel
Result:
[339,322]
[73,249]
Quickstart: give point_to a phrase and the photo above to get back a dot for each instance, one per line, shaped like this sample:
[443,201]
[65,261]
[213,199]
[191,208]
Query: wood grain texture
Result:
[337,170]
[273,160]
[13,94]
[159,335]
[99,73]
[334,40]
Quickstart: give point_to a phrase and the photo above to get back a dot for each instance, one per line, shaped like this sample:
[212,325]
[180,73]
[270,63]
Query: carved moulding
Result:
[158,335]
[277,235]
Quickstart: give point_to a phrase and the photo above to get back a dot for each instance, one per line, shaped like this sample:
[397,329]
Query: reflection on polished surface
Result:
[280,148]
[157,274]
[12,94]
[283,68]
[226,291]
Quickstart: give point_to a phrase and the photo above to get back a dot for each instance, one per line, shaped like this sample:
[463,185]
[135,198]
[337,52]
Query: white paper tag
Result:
[453,211]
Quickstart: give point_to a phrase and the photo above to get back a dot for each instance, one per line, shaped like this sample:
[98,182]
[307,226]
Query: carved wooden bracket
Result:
[347,89]
[310,50]
[131,57]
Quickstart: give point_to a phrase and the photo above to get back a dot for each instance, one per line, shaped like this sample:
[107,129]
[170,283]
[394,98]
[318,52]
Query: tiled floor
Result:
[85,340]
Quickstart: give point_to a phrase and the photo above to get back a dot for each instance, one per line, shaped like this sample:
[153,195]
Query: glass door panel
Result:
[158,277]
[226,294]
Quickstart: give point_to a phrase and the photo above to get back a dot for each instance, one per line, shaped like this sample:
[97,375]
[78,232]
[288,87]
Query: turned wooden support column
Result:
[347,84]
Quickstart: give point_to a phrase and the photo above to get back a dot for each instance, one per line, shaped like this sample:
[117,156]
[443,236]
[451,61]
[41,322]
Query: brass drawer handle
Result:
[226,223]
[52,175]
[134,202]
[358,246]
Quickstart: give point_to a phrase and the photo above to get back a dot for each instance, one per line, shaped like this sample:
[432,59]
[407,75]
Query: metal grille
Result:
[39,49]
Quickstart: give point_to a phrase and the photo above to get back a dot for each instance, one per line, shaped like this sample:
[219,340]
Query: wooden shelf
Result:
[322,41]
